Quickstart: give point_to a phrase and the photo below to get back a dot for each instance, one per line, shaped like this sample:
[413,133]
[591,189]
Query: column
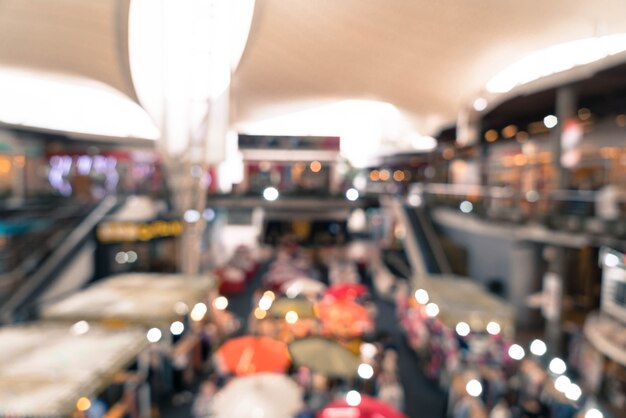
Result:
[553,298]
[524,281]
[566,108]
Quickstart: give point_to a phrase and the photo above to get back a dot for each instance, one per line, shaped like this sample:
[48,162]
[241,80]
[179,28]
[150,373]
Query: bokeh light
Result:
[198,312]
[220,303]
[154,335]
[463,329]
[421,296]
[353,398]
[432,310]
[80,328]
[516,352]
[177,328]
[365,371]
[493,328]
[291,317]
[557,366]
[538,347]
[474,388]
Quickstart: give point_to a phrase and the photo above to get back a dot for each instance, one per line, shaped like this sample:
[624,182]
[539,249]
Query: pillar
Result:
[565,108]
[524,282]
[553,285]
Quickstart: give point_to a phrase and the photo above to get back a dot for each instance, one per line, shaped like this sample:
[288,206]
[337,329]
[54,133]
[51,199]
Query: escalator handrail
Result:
[56,259]
[433,242]
[418,264]
[421,240]
[24,266]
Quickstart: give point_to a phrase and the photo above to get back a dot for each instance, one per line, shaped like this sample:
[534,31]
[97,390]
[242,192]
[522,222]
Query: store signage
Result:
[130,232]
[259,142]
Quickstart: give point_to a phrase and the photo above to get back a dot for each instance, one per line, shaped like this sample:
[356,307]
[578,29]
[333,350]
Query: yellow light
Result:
[521,136]
[83,404]
[398,175]
[448,153]
[291,317]
[491,135]
[5,165]
[384,175]
[315,166]
[509,131]
[260,313]
[520,159]
[270,294]
[374,175]
[584,113]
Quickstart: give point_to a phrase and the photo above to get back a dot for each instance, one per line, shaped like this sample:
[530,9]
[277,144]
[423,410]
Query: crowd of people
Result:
[486,374]
[339,280]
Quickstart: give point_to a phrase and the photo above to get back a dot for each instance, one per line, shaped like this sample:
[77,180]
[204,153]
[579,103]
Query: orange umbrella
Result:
[250,354]
[343,317]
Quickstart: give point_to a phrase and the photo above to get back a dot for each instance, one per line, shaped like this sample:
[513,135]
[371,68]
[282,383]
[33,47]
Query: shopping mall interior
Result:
[312,208]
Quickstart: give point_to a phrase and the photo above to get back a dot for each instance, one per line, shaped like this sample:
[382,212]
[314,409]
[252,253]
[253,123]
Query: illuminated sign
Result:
[259,142]
[129,232]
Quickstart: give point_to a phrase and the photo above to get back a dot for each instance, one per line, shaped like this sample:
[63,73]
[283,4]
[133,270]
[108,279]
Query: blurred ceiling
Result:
[87,39]
[428,58]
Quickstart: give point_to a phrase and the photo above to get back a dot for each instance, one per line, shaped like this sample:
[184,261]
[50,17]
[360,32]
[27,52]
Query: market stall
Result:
[454,323]
[164,303]
[53,370]
[135,298]
[463,300]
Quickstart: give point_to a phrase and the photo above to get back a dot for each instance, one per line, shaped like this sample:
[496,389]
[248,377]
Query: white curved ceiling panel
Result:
[429,58]
[85,38]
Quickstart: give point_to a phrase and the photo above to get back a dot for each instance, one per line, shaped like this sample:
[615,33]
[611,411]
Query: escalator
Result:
[43,243]
[427,240]
[422,244]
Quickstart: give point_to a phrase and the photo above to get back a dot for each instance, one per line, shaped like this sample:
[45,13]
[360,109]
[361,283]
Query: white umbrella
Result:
[302,285]
[262,395]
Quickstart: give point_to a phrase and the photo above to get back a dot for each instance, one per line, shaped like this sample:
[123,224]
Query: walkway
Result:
[422,398]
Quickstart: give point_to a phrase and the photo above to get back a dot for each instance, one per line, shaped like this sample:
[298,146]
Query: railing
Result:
[52,264]
[593,212]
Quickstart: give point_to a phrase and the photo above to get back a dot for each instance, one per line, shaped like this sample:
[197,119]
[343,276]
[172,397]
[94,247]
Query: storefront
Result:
[602,358]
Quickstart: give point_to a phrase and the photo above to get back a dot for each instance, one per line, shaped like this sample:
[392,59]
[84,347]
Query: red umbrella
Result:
[347,290]
[251,354]
[367,408]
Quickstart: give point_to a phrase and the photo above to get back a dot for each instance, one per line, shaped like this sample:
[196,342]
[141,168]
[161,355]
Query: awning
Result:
[45,368]
[136,298]
[462,300]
